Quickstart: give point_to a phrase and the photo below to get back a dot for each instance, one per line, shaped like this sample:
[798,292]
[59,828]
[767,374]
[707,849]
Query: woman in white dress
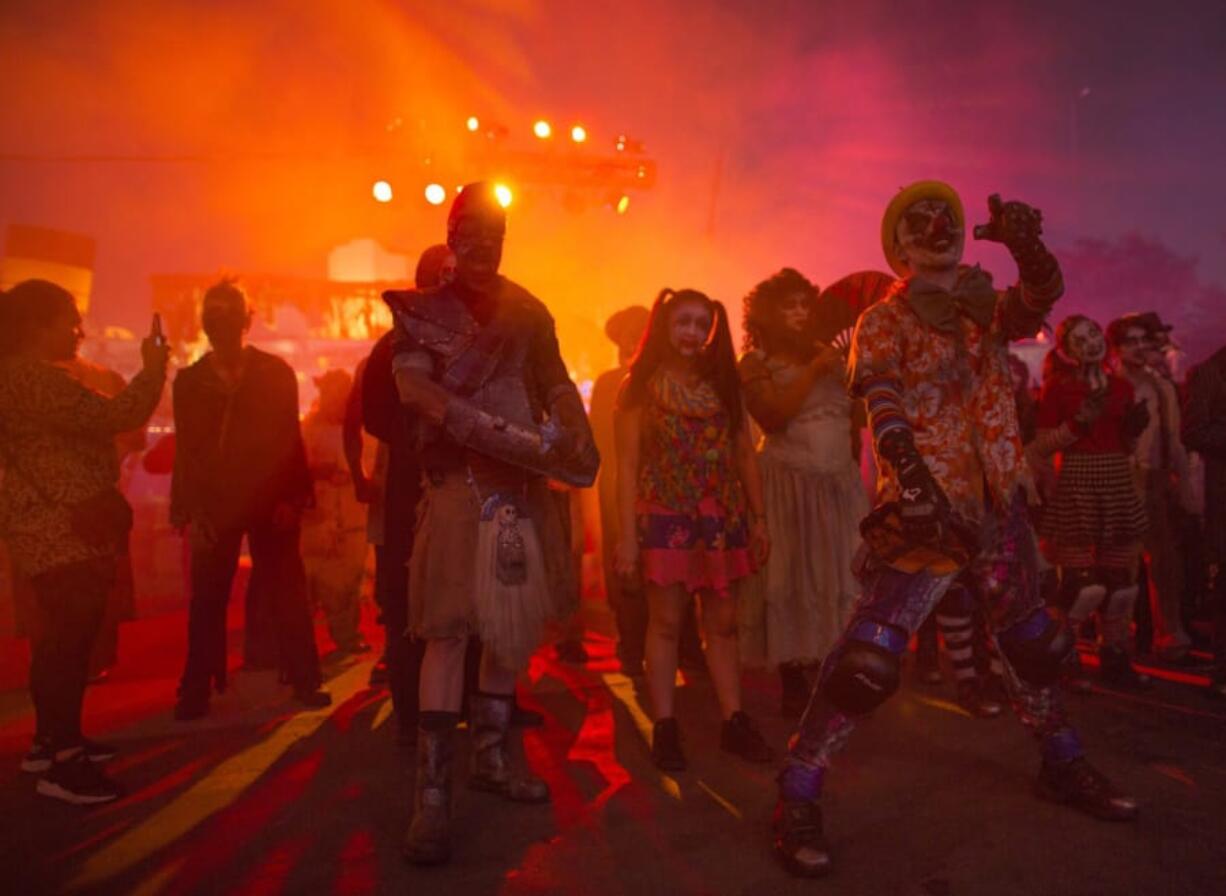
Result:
[797,605]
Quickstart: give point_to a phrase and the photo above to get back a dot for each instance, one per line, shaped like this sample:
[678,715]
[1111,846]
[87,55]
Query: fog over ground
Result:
[192,137]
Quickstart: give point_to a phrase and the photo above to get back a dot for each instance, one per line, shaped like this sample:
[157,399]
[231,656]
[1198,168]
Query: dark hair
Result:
[716,363]
[759,307]
[1058,362]
[226,289]
[29,306]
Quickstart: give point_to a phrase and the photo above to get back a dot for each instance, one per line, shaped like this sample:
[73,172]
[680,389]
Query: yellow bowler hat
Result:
[903,199]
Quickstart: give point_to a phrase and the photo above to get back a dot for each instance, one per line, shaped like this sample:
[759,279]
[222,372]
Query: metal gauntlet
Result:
[530,447]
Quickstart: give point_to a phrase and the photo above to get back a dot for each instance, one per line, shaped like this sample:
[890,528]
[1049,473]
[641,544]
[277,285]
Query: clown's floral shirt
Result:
[950,385]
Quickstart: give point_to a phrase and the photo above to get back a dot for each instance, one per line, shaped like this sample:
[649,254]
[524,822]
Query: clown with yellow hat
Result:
[930,361]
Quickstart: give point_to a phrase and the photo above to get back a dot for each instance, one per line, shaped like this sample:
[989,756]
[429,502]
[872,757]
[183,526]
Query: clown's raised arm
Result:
[1024,307]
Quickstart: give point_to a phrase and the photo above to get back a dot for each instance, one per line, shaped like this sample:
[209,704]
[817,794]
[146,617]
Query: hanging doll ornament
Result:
[512,592]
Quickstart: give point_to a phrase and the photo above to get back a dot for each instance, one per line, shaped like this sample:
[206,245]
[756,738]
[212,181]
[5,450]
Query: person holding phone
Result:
[63,517]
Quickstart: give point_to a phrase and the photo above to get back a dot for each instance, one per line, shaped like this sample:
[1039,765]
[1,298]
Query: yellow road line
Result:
[214,792]
[727,806]
[384,713]
[622,688]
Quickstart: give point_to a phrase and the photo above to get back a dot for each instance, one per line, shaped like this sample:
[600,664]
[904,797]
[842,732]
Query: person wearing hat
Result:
[495,416]
[930,361]
[1137,343]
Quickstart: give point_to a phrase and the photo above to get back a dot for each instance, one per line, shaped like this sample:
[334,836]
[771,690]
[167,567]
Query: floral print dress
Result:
[692,528]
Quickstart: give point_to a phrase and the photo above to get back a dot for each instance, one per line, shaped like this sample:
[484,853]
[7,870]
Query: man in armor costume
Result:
[495,412]
[930,361]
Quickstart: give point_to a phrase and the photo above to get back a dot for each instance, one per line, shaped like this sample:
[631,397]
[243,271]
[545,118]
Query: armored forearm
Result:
[544,449]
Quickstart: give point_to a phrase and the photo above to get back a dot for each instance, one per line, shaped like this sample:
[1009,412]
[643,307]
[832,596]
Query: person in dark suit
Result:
[240,471]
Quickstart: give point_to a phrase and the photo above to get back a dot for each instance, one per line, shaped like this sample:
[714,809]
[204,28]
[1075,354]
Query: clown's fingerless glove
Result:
[1021,228]
[922,505]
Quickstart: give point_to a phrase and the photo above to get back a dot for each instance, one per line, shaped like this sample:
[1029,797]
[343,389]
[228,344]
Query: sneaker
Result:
[1078,784]
[313,698]
[666,746]
[742,737]
[78,781]
[799,841]
[39,758]
[975,700]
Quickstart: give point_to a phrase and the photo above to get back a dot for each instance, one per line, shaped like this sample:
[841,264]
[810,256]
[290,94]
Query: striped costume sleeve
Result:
[876,371]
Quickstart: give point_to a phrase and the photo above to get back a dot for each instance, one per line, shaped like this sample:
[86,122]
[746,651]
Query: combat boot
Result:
[489,719]
[800,842]
[428,840]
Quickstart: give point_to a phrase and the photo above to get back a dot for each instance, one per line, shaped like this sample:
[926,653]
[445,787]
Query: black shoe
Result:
[572,651]
[189,709]
[78,781]
[666,746]
[1078,784]
[795,697]
[974,700]
[799,841]
[379,674]
[741,736]
[313,698]
[1115,668]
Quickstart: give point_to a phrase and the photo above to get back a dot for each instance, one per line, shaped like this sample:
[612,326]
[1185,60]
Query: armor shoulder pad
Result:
[434,319]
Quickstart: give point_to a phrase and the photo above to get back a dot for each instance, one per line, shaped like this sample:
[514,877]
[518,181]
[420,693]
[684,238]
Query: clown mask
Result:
[929,236]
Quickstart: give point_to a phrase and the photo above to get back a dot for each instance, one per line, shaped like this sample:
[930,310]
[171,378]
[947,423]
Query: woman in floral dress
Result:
[690,503]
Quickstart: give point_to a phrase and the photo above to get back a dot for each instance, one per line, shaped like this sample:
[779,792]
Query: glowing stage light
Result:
[621,144]
[543,129]
[382,191]
[436,194]
[473,123]
[503,194]
[622,204]
[578,133]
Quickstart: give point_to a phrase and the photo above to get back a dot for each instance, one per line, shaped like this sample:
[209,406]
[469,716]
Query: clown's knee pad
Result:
[1037,647]
[866,670]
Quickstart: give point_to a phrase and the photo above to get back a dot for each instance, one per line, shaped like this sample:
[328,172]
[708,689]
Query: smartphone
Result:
[156,330]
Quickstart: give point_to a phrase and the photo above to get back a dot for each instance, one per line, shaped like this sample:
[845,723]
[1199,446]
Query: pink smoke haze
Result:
[780,130]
